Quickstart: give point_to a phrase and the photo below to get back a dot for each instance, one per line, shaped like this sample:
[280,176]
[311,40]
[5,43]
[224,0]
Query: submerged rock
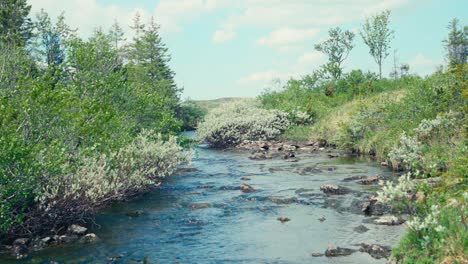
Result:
[376,251]
[389,220]
[333,251]
[136,213]
[64,239]
[353,178]
[322,218]
[361,229]
[197,206]
[333,189]
[280,200]
[245,179]
[260,156]
[283,219]
[245,188]
[317,254]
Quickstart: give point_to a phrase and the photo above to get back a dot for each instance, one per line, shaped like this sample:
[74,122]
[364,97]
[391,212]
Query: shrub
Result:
[93,182]
[235,122]
[406,154]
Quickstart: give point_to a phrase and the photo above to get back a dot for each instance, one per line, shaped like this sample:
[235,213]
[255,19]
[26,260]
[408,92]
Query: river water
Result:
[236,227]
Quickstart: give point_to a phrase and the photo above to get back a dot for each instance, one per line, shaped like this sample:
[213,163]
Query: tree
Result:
[337,48]
[15,26]
[456,43]
[49,40]
[377,35]
[117,34]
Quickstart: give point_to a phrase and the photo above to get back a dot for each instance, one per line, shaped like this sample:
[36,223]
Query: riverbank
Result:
[202,214]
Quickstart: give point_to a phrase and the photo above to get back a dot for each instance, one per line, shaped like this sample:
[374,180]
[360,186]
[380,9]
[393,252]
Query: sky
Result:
[237,48]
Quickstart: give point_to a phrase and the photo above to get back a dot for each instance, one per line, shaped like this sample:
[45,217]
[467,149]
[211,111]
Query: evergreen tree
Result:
[15,26]
[456,43]
[49,40]
[116,33]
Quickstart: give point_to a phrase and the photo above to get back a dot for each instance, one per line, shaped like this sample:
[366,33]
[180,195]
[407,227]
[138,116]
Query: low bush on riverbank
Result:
[232,123]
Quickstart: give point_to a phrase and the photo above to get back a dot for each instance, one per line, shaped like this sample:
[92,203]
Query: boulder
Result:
[333,251]
[389,220]
[374,207]
[77,230]
[89,238]
[322,218]
[376,251]
[371,180]
[245,188]
[283,219]
[333,189]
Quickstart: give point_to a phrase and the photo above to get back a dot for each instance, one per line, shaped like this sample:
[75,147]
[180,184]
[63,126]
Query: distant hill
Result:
[210,104]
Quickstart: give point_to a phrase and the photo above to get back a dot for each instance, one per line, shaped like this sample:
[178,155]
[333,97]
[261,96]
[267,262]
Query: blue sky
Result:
[224,48]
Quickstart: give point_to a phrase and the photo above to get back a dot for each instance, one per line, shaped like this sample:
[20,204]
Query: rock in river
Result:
[77,230]
[245,188]
[389,220]
[333,251]
[333,189]
[376,251]
[197,206]
[283,219]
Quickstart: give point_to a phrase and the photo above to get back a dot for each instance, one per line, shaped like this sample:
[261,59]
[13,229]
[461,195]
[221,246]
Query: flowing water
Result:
[236,227]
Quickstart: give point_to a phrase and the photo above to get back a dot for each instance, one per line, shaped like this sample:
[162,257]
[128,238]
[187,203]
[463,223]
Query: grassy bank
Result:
[415,124]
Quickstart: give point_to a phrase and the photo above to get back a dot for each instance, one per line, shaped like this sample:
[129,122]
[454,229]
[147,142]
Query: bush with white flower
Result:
[232,123]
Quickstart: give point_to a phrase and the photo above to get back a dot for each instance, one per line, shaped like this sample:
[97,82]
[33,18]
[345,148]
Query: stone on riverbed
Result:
[197,206]
[280,200]
[333,251]
[245,188]
[260,156]
[245,179]
[283,219]
[376,251]
[389,220]
[136,213]
[361,229]
[333,189]
[371,180]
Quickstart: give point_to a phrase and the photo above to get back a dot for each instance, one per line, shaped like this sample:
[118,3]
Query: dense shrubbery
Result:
[79,123]
[235,122]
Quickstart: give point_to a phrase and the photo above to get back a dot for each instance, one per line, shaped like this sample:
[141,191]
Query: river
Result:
[236,227]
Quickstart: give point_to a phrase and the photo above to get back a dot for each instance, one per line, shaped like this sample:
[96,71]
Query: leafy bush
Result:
[93,182]
[235,122]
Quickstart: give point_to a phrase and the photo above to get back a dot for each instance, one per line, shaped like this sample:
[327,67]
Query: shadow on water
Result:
[201,216]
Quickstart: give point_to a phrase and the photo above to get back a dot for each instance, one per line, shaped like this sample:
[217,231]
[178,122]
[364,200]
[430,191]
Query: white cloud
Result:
[256,77]
[286,37]
[223,36]
[310,57]
[423,65]
[308,14]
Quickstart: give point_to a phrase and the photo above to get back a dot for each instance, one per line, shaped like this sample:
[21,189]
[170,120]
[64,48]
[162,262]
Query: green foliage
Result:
[15,25]
[75,120]
[456,43]
[231,124]
[191,114]
[337,48]
[377,35]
